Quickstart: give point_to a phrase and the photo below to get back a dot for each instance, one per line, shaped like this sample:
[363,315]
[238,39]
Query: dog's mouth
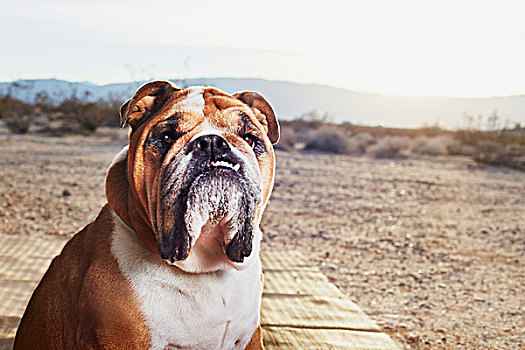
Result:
[222,164]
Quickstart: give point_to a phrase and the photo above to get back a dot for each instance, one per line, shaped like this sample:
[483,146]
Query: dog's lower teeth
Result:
[224,164]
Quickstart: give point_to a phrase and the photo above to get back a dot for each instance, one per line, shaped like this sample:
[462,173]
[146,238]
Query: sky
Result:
[446,48]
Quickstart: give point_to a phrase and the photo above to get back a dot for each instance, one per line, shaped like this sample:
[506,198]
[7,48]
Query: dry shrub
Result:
[329,139]
[390,147]
[16,114]
[334,139]
[18,124]
[288,139]
[459,149]
[359,142]
[86,116]
[494,153]
[81,114]
[434,146]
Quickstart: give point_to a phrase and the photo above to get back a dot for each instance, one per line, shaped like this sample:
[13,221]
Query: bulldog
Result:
[172,260]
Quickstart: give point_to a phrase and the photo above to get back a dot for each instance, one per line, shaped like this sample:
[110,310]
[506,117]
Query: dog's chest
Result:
[190,311]
[199,312]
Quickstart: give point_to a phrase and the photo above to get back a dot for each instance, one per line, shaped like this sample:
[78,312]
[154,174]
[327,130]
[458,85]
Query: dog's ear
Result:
[147,101]
[259,104]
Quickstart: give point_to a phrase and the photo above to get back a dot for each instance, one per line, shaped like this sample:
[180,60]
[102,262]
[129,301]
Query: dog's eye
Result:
[251,140]
[166,138]
[255,143]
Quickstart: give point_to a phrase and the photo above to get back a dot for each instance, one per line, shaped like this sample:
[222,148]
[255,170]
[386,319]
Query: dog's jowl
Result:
[172,261]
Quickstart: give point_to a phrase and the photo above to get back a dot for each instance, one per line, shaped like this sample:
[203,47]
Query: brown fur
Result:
[256,343]
[83,300]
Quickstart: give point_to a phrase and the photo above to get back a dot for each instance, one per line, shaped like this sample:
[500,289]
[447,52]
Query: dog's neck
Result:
[208,254]
[205,256]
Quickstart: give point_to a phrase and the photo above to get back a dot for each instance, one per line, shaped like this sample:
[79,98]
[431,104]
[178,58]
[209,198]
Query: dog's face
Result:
[197,175]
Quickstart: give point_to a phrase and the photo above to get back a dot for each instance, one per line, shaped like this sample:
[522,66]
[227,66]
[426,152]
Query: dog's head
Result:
[197,174]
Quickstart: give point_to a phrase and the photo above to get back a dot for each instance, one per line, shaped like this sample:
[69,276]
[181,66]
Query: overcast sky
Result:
[451,48]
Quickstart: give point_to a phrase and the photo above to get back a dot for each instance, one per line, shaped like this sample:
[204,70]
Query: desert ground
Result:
[431,248]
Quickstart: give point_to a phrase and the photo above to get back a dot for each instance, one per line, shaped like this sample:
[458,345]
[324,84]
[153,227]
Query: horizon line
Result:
[384,94]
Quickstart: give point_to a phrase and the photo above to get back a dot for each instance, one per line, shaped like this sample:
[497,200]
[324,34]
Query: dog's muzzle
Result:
[207,183]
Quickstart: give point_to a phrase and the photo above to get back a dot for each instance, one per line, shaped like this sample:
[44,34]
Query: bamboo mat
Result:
[23,261]
[301,309]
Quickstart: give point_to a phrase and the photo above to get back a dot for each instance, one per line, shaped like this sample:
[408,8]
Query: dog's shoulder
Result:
[58,294]
[109,312]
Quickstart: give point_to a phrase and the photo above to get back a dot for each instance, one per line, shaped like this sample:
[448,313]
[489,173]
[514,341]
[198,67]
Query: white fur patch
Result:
[189,311]
[207,130]
[194,101]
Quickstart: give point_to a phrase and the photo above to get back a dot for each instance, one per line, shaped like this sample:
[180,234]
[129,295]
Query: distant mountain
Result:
[290,100]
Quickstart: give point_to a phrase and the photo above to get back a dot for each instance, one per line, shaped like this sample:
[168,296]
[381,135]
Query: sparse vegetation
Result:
[434,146]
[15,114]
[361,141]
[486,140]
[390,147]
[494,153]
[502,147]
[329,139]
[73,114]
[288,140]
[87,116]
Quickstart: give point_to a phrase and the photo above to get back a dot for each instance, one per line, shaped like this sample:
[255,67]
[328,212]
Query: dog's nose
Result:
[214,145]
